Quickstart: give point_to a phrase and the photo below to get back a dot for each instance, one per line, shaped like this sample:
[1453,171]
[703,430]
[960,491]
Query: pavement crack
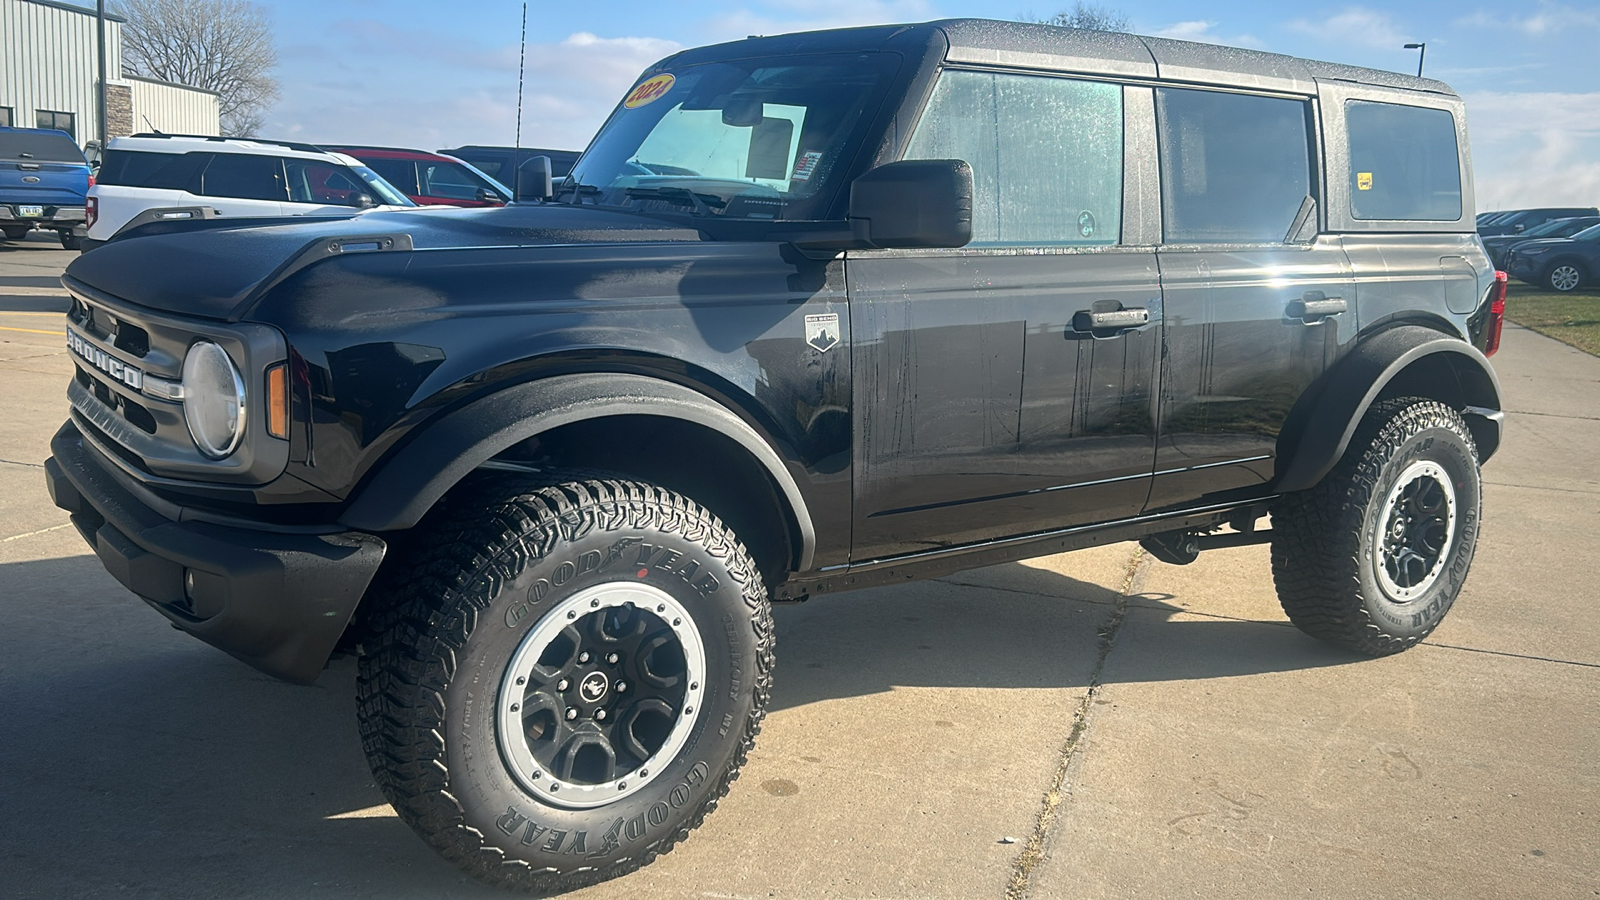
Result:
[1509,655]
[1522,412]
[1542,487]
[18,537]
[1033,851]
[12,462]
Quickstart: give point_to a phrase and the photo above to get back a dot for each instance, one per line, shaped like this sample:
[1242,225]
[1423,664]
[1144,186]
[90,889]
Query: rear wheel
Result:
[70,241]
[565,679]
[1563,277]
[1373,557]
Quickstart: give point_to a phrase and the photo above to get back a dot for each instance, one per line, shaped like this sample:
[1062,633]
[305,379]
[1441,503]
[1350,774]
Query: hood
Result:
[1528,243]
[216,268]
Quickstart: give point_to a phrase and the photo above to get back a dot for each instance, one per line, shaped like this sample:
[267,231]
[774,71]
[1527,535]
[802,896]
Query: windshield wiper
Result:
[702,203]
[577,189]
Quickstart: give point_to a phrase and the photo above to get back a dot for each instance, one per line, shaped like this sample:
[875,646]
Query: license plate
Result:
[27,211]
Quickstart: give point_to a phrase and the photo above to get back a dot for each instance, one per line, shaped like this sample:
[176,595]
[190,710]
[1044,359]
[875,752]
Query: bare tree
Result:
[220,45]
[1091,16]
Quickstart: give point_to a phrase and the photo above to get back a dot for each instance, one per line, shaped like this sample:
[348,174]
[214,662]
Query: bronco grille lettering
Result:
[105,362]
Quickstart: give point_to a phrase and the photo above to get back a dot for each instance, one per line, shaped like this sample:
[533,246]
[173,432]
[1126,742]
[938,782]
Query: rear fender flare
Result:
[1320,427]
[412,480]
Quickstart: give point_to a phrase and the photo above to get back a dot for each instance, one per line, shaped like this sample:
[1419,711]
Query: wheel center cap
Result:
[593,687]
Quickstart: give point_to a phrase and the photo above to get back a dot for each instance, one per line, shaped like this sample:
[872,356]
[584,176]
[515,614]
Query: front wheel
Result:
[1373,556]
[565,680]
[1563,277]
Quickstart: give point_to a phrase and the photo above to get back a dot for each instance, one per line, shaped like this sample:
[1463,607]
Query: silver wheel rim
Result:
[544,732]
[1416,526]
[1564,278]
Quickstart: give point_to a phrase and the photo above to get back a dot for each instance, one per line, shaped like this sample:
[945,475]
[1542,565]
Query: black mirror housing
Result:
[913,203]
[534,181]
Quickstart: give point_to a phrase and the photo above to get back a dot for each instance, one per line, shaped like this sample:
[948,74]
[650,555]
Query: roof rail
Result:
[291,145]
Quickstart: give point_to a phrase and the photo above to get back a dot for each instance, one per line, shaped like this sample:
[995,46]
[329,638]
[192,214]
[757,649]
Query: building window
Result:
[61,121]
[5,116]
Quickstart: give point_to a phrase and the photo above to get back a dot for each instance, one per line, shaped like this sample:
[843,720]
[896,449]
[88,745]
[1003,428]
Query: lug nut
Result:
[622,686]
[563,684]
[583,657]
[600,715]
[612,658]
[572,714]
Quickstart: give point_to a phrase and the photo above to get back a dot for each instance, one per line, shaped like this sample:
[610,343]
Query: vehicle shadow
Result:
[140,762]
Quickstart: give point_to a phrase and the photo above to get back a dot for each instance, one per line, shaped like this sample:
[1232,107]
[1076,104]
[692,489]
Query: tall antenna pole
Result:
[522,56]
[100,96]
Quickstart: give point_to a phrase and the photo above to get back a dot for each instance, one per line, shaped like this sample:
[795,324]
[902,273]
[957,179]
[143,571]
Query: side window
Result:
[402,173]
[245,176]
[130,168]
[1234,167]
[1046,155]
[1403,162]
[5,116]
[448,180]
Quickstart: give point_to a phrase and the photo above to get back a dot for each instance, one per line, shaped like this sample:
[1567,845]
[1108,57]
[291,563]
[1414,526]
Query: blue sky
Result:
[431,74]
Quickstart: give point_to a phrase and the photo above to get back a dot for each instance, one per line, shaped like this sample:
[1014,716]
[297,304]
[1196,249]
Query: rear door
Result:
[1258,301]
[242,184]
[989,404]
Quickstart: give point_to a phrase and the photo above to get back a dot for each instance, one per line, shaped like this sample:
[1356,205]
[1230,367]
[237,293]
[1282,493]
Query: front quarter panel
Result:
[391,340]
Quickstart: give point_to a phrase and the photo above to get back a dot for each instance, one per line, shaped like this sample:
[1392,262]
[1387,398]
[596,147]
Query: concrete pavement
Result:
[1133,729]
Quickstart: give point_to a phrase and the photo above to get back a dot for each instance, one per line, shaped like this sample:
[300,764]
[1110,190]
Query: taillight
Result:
[91,181]
[91,211]
[278,401]
[1497,314]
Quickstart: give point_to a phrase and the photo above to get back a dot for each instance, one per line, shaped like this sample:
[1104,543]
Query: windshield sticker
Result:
[1363,181]
[1086,224]
[806,166]
[649,91]
[822,331]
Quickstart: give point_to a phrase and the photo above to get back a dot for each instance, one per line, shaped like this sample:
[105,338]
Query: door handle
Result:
[1110,320]
[1315,306]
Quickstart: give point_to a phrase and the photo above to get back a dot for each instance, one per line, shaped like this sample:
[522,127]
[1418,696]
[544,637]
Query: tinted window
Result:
[247,177]
[1403,162]
[130,168]
[60,121]
[402,173]
[1233,167]
[41,147]
[1046,155]
[316,182]
[449,180]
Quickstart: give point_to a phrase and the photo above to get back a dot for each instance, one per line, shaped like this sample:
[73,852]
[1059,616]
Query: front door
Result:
[1007,388]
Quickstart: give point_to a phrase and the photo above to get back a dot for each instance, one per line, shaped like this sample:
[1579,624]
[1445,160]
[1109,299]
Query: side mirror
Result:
[483,196]
[1517,229]
[913,203]
[362,201]
[534,181]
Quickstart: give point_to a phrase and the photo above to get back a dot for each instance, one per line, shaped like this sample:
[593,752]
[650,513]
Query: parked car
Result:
[1519,221]
[430,179]
[1560,264]
[230,177]
[813,313]
[44,179]
[1497,245]
[500,163]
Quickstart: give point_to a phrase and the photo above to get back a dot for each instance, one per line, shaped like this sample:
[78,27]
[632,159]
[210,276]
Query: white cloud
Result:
[1204,32]
[1354,25]
[1548,18]
[1535,149]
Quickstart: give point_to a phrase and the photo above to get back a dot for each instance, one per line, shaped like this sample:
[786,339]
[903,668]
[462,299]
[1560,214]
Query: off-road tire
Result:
[1327,547]
[482,576]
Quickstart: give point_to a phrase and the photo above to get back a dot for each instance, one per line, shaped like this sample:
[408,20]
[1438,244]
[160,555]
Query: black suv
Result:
[812,313]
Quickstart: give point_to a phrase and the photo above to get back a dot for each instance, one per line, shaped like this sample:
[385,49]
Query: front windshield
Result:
[752,139]
[1588,234]
[1548,228]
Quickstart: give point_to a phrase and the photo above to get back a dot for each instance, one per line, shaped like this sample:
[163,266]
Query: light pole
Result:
[1420,56]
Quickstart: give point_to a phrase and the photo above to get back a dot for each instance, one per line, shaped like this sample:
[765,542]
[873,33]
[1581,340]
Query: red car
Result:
[429,178]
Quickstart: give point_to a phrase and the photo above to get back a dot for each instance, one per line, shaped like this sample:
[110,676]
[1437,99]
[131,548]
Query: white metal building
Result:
[49,78]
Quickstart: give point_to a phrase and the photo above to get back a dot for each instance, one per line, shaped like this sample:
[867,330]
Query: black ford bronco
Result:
[813,312]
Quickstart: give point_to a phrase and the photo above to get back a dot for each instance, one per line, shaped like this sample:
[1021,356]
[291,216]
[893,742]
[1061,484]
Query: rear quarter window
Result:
[1404,163]
[167,171]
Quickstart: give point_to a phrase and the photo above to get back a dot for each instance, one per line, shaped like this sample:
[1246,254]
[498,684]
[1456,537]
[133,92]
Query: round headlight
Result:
[213,399]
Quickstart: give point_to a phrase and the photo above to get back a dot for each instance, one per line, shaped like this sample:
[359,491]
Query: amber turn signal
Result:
[278,400]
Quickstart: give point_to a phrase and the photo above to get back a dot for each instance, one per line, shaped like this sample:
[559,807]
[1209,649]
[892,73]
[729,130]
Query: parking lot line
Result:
[34,331]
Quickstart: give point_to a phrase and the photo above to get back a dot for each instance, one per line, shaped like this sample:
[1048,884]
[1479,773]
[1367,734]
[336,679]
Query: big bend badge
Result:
[822,331]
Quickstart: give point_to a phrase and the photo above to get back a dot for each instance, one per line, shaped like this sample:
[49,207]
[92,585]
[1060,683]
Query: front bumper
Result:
[276,600]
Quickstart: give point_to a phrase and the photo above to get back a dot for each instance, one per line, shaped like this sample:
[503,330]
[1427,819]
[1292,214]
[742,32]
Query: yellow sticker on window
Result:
[1363,181]
[649,91]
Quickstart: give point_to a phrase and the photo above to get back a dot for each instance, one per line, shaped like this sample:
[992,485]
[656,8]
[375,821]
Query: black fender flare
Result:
[1319,429]
[405,486]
